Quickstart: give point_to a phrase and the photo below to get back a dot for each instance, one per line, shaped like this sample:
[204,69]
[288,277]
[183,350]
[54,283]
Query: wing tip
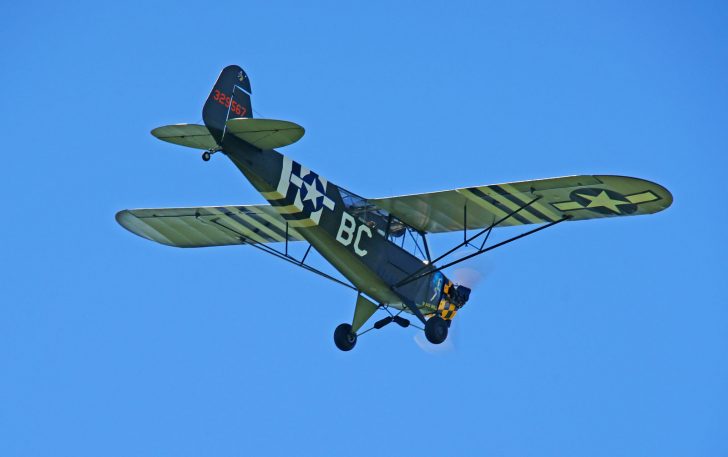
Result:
[122,217]
[130,222]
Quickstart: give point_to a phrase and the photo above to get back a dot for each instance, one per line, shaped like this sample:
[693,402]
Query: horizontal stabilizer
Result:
[265,133]
[190,135]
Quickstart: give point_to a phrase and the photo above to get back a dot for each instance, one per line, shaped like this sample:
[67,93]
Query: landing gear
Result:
[208,154]
[436,330]
[344,337]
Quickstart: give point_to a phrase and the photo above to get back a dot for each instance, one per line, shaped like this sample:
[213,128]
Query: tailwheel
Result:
[344,337]
[208,154]
[436,329]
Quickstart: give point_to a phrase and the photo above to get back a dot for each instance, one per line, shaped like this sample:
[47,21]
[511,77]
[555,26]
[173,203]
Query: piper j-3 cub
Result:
[363,237]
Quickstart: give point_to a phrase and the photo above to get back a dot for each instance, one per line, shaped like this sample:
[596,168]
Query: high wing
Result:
[580,197]
[208,226]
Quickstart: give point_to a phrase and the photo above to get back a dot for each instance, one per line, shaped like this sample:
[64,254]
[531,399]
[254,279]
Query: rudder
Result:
[229,99]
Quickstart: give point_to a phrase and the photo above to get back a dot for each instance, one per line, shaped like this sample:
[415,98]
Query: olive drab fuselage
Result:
[353,240]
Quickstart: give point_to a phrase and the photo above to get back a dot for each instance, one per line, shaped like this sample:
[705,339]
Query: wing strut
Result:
[284,255]
[427,248]
[490,248]
[424,271]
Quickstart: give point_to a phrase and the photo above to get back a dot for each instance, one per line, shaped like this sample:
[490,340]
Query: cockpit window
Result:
[367,213]
[385,223]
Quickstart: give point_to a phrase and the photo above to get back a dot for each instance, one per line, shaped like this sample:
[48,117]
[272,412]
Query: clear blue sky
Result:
[600,338]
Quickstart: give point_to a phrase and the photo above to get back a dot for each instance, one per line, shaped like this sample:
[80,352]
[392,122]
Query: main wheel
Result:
[344,338]
[436,330]
[206,156]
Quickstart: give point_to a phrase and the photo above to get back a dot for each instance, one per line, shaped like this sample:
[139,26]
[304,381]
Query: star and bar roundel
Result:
[300,196]
[605,201]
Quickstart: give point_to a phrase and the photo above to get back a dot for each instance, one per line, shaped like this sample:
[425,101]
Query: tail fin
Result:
[230,98]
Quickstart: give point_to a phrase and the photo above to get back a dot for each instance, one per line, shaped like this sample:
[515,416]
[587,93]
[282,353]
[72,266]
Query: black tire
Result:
[206,156]
[436,330]
[344,338]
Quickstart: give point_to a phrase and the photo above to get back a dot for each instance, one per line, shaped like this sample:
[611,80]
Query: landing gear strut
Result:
[344,337]
[436,330]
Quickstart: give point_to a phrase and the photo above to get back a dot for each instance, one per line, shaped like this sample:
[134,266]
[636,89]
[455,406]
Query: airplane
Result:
[364,238]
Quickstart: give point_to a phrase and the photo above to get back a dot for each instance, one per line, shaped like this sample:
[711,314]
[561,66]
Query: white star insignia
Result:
[603,200]
[312,192]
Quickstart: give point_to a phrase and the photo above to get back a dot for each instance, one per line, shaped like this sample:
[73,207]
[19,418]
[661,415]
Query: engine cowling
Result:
[452,299]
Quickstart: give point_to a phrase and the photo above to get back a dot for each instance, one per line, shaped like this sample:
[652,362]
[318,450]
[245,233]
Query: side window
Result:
[385,224]
[365,212]
[406,237]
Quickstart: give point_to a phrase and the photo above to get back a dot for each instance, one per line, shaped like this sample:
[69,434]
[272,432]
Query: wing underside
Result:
[209,225]
[579,197]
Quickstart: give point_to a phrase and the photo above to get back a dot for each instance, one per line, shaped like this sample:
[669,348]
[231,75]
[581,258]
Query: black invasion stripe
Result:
[498,205]
[279,202]
[268,224]
[249,226]
[519,202]
[294,216]
[295,168]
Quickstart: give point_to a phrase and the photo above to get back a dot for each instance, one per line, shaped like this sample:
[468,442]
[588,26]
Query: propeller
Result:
[466,276]
[430,348]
